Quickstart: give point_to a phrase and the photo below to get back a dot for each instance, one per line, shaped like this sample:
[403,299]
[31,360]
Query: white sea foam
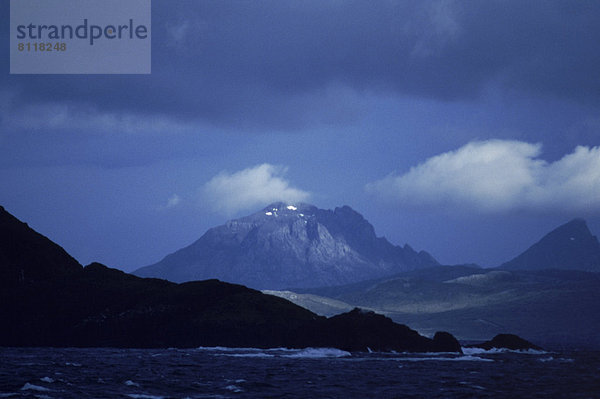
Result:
[47,379]
[468,384]
[234,388]
[31,387]
[316,353]
[226,349]
[308,353]
[478,351]
[130,383]
[282,350]
[552,359]
[256,355]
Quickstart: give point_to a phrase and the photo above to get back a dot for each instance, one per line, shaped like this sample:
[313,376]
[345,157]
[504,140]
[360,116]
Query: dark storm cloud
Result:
[270,63]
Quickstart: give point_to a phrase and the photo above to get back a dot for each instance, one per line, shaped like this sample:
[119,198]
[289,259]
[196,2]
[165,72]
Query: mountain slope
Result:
[554,307]
[290,246]
[540,294]
[29,256]
[570,247]
[48,299]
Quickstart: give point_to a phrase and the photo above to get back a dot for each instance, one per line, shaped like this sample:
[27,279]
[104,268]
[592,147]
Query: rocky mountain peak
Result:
[290,208]
[570,246]
[290,245]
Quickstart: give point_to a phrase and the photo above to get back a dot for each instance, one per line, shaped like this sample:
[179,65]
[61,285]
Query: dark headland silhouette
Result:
[48,299]
[550,293]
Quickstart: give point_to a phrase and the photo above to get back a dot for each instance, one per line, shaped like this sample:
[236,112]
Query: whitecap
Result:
[493,351]
[255,355]
[317,353]
[275,352]
[47,379]
[227,349]
[234,388]
[475,351]
[468,384]
[552,359]
[31,387]
[131,383]
[281,350]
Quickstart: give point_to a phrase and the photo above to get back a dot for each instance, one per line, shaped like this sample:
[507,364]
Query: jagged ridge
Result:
[287,245]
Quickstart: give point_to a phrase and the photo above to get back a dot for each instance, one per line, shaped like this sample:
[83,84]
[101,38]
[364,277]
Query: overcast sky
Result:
[465,128]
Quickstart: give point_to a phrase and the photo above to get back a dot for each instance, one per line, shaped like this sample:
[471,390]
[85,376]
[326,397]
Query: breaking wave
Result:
[480,351]
[306,353]
[316,353]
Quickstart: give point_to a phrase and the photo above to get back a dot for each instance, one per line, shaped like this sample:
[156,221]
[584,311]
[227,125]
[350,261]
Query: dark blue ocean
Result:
[46,373]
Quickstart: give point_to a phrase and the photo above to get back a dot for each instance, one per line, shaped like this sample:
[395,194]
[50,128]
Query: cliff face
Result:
[60,303]
[290,246]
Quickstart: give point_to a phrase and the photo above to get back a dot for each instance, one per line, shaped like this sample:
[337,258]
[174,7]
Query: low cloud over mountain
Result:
[251,187]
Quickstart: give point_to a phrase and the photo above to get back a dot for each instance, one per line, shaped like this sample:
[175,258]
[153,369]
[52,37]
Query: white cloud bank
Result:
[250,188]
[499,175]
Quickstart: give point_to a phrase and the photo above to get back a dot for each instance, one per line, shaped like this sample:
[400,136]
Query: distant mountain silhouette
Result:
[507,341]
[550,293]
[570,247]
[48,299]
[548,307]
[287,245]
